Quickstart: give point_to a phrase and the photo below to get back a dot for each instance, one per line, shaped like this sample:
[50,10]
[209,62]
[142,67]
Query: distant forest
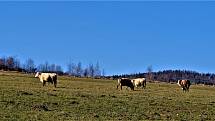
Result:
[173,76]
[11,63]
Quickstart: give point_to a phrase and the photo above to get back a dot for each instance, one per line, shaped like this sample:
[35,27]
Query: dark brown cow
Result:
[125,82]
[184,84]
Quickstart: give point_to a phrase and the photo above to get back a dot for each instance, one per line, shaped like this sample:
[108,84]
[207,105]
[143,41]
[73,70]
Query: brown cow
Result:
[125,82]
[184,84]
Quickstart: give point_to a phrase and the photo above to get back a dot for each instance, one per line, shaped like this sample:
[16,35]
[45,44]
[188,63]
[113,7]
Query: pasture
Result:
[22,97]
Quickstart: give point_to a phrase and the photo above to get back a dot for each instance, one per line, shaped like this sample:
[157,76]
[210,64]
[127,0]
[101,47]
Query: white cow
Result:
[139,82]
[47,77]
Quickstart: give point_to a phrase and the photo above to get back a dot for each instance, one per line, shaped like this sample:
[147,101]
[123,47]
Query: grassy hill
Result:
[22,97]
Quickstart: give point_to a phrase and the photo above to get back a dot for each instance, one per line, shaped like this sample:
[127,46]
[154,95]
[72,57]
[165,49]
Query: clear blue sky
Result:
[124,37]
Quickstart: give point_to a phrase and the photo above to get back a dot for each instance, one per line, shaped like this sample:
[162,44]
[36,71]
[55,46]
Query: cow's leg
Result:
[55,81]
[121,87]
[132,88]
[44,82]
[184,89]
[143,85]
[118,86]
[55,84]
[187,88]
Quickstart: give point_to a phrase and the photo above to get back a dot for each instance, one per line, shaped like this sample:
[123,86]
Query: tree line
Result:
[90,71]
[173,76]
[11,63]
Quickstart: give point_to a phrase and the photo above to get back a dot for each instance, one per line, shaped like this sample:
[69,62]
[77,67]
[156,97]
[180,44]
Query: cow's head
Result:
[37,74]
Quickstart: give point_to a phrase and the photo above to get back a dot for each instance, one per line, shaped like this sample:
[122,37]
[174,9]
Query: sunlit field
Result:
[22,97]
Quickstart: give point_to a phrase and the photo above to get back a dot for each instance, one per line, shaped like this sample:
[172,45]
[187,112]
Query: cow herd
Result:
[131,83]
[141,82]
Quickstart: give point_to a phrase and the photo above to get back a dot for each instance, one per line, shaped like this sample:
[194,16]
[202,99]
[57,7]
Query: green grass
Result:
[22,97]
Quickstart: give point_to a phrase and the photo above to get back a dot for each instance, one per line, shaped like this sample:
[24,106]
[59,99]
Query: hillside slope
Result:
[22,97]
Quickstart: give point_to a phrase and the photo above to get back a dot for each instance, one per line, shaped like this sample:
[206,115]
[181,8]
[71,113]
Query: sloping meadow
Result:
[22,97]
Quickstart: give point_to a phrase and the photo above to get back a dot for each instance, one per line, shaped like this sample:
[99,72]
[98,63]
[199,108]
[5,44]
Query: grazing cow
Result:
[184,84]
[139,82]
[125,82]
[47,77]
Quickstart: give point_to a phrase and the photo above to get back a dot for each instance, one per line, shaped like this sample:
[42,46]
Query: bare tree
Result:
[3,63]
[97,70]
[69,68]
[103,72]
[17,64]
[149,72]
[78,70]
[73,72]
[86,72]
[42,68]
[91,70]
[52,68]
[10,62]
[75,69]
[58,69]
[46,67]
[29,65]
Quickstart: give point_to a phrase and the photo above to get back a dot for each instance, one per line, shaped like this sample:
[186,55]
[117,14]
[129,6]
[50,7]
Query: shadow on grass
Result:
[61,87]
[40,107]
